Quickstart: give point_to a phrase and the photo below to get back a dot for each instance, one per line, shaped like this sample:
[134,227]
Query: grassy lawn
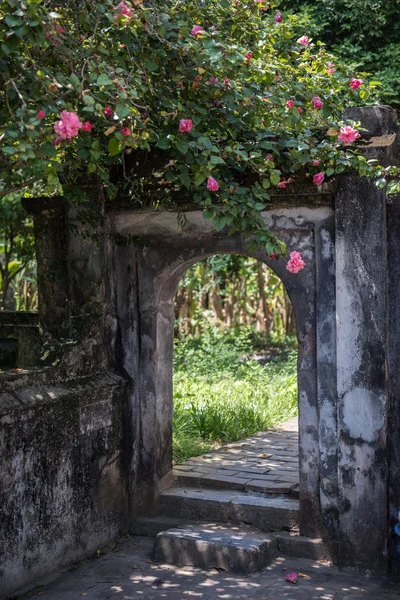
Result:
[221,397]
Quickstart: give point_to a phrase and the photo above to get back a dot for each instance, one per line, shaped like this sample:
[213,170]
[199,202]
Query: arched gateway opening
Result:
[235,379]
[149,272]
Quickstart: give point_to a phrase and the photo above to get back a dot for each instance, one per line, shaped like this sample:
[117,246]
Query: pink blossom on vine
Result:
[41,115]
[316,162]
[126,131]
[278,17]
[303,40]
[196,30]
[355,83]
[185,125]
[319,178]
[87,126]
[68,126]
[108,111]
[294,265]
[317,102]
[348,135]
[289,103]
[212,184]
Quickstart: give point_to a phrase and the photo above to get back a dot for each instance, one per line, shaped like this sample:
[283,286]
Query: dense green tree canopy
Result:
[363,32]
[214,101]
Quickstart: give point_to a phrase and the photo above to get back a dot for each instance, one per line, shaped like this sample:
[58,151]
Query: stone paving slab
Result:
[126,572]
[271,456]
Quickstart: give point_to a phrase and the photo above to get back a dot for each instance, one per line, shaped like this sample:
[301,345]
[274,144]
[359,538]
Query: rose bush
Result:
[217,103]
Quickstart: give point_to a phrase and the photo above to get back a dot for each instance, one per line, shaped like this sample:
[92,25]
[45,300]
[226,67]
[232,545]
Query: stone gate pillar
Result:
[361,376]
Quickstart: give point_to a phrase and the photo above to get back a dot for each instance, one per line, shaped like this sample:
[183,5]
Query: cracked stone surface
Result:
[267,462]
[124,571]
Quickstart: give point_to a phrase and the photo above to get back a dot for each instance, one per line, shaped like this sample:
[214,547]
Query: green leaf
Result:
[91,168]
[275,177]
[217,160]
[164,144]
[199,178]
[114,146]
[259,206]
[88,100]
[266,183]
[9,150]
[104,79]
[182,147]
[122,110]
[185,178]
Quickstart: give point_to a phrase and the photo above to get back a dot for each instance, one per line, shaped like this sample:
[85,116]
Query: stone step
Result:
[292,544]
[151,526]
[268,513]
[259,480]
[215,546]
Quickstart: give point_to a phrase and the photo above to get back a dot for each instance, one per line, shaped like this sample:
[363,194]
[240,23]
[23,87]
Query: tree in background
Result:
[229,290]
[17,254]
[365,33]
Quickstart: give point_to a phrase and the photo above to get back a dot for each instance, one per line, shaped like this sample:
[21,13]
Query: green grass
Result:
[218,398]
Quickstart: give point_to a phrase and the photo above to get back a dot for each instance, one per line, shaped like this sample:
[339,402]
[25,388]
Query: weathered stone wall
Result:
[63,482]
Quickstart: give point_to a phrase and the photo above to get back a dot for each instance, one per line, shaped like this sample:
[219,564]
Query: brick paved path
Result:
[266,462]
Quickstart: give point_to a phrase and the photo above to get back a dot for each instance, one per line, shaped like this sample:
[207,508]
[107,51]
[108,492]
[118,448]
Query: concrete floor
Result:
[124,571]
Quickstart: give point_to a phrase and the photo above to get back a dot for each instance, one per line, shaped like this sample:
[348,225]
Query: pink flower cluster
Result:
[331,68]
[124,10]
[294,265]
[197,29]
[68,126]
[317,102]
[212,184]
[303,40]
[185,125]
[355,83]
[348,135]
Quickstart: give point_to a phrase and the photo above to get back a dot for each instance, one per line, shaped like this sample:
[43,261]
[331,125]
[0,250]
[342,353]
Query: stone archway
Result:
[152,262]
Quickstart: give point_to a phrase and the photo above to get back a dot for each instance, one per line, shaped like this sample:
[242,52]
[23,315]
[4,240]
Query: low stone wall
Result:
[63,472]
[19,339]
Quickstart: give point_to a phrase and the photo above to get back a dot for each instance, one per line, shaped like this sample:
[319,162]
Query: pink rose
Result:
[316,162]
[123,9]
[355,83]
[68,126]
[212,80]
[303,40]
[318,178]
[126,131]
[269,157]
[87,126]
[248,55]
[57,140]
[185,125]
[331,68]
[226,81]
[278,17]
[108,111]
[289,103]
[299,110]
[197,29]
[348,135]
[212,184]
[292,577]
[317,102]
[41,115]
[60,29]
[281,184]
